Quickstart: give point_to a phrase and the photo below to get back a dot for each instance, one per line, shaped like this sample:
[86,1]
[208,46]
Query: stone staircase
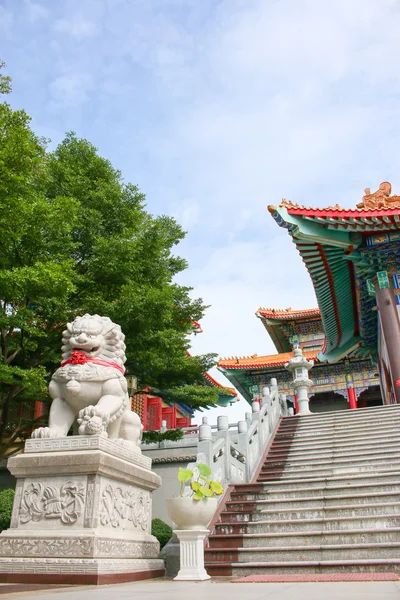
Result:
[327,500]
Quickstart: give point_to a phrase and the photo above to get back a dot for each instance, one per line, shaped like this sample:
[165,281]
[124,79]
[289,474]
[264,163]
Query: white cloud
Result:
[188,215]
[35,11]
[6,21]
[77,26]
[71,90]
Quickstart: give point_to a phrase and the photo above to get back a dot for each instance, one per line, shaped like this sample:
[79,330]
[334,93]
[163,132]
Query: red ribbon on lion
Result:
[80,358]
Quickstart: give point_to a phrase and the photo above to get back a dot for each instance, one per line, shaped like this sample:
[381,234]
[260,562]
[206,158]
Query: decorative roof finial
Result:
[379,199]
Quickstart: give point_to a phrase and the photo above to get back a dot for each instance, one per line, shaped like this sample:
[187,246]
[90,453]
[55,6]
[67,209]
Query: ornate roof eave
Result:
[227,396]
[302,229]
[341,352]
[322,251]
[270,314]
[234,379]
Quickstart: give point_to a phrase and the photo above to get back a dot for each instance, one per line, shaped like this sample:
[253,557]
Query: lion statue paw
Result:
[93,421]
[44,432]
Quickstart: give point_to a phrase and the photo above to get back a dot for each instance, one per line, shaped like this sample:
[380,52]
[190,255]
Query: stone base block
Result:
[81,514]
[78,571]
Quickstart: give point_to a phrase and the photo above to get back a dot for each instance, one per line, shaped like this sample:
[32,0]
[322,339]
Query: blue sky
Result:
[217,108]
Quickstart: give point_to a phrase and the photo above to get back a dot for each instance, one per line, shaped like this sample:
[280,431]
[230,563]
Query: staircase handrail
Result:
[234,457]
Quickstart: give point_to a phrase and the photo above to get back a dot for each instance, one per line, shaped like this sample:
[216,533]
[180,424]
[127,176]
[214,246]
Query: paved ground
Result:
[215,590]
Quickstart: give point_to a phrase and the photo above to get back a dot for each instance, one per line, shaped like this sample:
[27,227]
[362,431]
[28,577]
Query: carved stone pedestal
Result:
[192,555]
[82,514]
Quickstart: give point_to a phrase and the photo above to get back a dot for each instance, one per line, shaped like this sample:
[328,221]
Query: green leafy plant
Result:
[202,486]
[152,437]
[6,504]
[161,531]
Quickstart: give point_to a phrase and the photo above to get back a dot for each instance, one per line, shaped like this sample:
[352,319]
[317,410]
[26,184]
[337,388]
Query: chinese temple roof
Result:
[342,249]
[281,325]
[287,313]
[195,328]
[239,370]
[259,362]
[228,395]
[231,394]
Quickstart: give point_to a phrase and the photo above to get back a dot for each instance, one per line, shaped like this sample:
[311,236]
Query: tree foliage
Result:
[76,238]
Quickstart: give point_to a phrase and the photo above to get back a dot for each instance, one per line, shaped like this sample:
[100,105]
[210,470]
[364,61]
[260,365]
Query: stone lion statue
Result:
[90,387]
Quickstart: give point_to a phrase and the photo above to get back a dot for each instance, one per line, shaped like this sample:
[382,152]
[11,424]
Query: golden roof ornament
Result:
[379,199]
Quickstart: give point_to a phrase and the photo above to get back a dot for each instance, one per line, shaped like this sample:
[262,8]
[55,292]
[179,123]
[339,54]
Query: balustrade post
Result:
[256,418]
[205,445]
[248,418]
[243,445]
[266,395]
[224,433]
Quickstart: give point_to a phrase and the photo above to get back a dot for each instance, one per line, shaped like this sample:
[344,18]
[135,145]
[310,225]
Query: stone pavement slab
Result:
[217,590]
[316,577]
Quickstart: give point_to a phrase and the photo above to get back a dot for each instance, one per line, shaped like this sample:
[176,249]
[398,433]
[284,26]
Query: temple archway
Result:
[328,401]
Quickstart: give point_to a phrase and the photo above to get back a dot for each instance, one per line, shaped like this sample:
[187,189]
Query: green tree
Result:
[76,238]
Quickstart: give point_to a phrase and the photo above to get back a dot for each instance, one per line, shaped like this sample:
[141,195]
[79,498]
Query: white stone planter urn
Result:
[191,518]
[190,514]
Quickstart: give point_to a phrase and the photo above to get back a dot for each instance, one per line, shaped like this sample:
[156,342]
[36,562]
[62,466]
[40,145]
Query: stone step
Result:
[331,442]
[345,453]
[350,449]
[316,492]
[343,422]
[389,437]
[346,434]
[378,509]
[337,469]
[337,524]
[305,538]
[345,479]
[235,569]
[300,458]
[331,479]
[341,415]
[314,502]
[311,553]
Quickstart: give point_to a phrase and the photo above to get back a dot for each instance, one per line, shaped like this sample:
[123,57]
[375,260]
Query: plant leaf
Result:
[195,486]
[204,469]
[184,474]
[198,496]
[216,487]
[206,491]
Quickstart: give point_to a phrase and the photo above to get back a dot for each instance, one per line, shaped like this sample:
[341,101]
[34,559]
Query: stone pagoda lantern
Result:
[299,366]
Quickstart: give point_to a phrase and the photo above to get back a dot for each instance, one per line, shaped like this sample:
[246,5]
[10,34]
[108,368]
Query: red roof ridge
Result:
[381,200]
[268,360]
[216,384]
[277,313]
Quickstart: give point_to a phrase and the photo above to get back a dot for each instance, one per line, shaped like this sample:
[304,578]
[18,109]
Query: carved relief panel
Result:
[124,506]
[44,504]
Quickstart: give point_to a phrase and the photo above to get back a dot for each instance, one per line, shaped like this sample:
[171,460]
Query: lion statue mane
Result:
[89,389]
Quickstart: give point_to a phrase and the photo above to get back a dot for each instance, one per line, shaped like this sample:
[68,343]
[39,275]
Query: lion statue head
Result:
[95,336]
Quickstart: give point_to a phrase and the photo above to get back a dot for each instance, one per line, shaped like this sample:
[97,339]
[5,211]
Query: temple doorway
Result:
[327,402]
[371,396]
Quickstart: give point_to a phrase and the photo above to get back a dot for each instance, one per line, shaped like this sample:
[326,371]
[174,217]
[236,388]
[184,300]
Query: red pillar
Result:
[296,403]
[351,394]
[391,332]
[38,409]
